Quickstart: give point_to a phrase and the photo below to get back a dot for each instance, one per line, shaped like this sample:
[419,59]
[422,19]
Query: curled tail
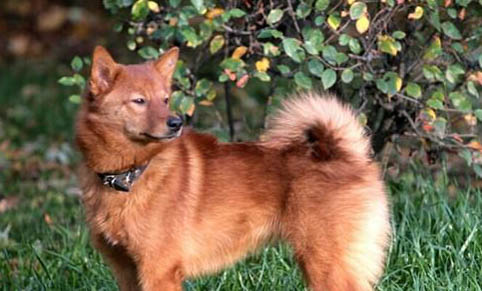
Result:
[322,123]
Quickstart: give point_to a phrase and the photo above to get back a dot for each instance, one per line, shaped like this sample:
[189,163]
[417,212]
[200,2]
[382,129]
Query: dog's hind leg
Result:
[340,236]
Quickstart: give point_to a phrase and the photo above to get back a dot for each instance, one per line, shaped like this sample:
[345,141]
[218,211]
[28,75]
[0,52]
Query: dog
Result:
[165,203]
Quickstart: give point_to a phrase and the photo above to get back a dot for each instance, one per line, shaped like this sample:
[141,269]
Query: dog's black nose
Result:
[174,123]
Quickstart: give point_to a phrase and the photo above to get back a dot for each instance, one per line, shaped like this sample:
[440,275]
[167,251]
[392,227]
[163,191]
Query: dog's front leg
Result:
[159,273]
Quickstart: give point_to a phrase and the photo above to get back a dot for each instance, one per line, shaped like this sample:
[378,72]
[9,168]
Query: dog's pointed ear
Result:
[166,64]
[103,72]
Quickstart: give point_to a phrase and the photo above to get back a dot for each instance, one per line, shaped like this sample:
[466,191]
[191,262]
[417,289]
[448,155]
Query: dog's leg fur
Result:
[123,266]
[160,271]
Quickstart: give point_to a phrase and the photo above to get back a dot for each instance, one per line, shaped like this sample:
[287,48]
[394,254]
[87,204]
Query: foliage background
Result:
[411,68]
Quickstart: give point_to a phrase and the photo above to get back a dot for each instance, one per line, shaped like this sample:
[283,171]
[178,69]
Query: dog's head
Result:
[134,99]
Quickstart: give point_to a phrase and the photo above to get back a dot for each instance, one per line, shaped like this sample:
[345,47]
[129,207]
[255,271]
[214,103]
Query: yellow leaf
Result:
[351,2]
[191,109]
[431,113]
[417,14]
[213,13]
[239,52]
[333,21]
[153,6]
[262,65]
[362,24]
[398,83]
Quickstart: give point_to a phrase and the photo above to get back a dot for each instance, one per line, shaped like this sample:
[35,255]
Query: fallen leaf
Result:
[206,103]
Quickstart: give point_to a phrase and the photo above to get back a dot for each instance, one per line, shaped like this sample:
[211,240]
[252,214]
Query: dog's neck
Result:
[106,150]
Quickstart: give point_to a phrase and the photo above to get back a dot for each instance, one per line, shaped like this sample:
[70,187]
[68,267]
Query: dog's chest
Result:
[107,215]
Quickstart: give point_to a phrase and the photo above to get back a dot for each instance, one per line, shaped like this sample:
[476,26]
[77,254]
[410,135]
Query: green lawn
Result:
[44,245]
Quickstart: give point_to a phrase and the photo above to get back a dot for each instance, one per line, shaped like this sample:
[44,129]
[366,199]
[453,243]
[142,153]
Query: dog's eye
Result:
[139,100]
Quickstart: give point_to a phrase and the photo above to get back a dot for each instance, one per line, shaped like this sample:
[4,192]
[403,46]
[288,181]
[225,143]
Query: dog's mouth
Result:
[169,136]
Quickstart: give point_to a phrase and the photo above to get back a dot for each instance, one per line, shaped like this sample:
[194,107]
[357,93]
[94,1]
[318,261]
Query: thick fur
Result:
[202,205]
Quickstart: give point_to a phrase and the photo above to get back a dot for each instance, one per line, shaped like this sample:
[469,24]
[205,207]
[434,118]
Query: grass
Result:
[44,244]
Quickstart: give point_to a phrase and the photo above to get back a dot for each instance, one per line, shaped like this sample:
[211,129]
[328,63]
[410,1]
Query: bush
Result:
[411,68]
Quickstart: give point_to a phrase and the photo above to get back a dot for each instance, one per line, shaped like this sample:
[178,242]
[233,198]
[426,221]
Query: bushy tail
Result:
[320,122]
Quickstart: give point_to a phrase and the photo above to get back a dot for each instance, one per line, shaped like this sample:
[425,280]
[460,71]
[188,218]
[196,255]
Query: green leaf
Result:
[347,75]
[314,41]
[466,155]
[357,9]
[263,76]
[344,39]
[303,81]
[199,5]
[414,90]
[75,98]
[268,33]
[131,45]
[341,58]
[367,76]
[274,16]
[354,46]
[293,49]
[387,45]
[316,67]
[186,104]
[460,101]
[472,90]
[284,69]
[453,72]
[451,30]
[190,35]
[321,5]
[67,81]
[440,124]
[232,64]
[76,64]
[398,34]
[216,44]
[434,50]
[329,54]
[148,53]
[328,78]
[478,114]
[435,103]
[202,87]
[140,10]
[303,10]
[382,85]
[480,61]
[174,3]
[319,20]
[236,13]
[452,13]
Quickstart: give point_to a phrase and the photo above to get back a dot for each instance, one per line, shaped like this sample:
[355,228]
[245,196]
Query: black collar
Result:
[122,181]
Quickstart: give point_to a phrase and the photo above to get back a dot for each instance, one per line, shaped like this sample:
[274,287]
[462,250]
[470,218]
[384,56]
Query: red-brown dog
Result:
[163,206]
